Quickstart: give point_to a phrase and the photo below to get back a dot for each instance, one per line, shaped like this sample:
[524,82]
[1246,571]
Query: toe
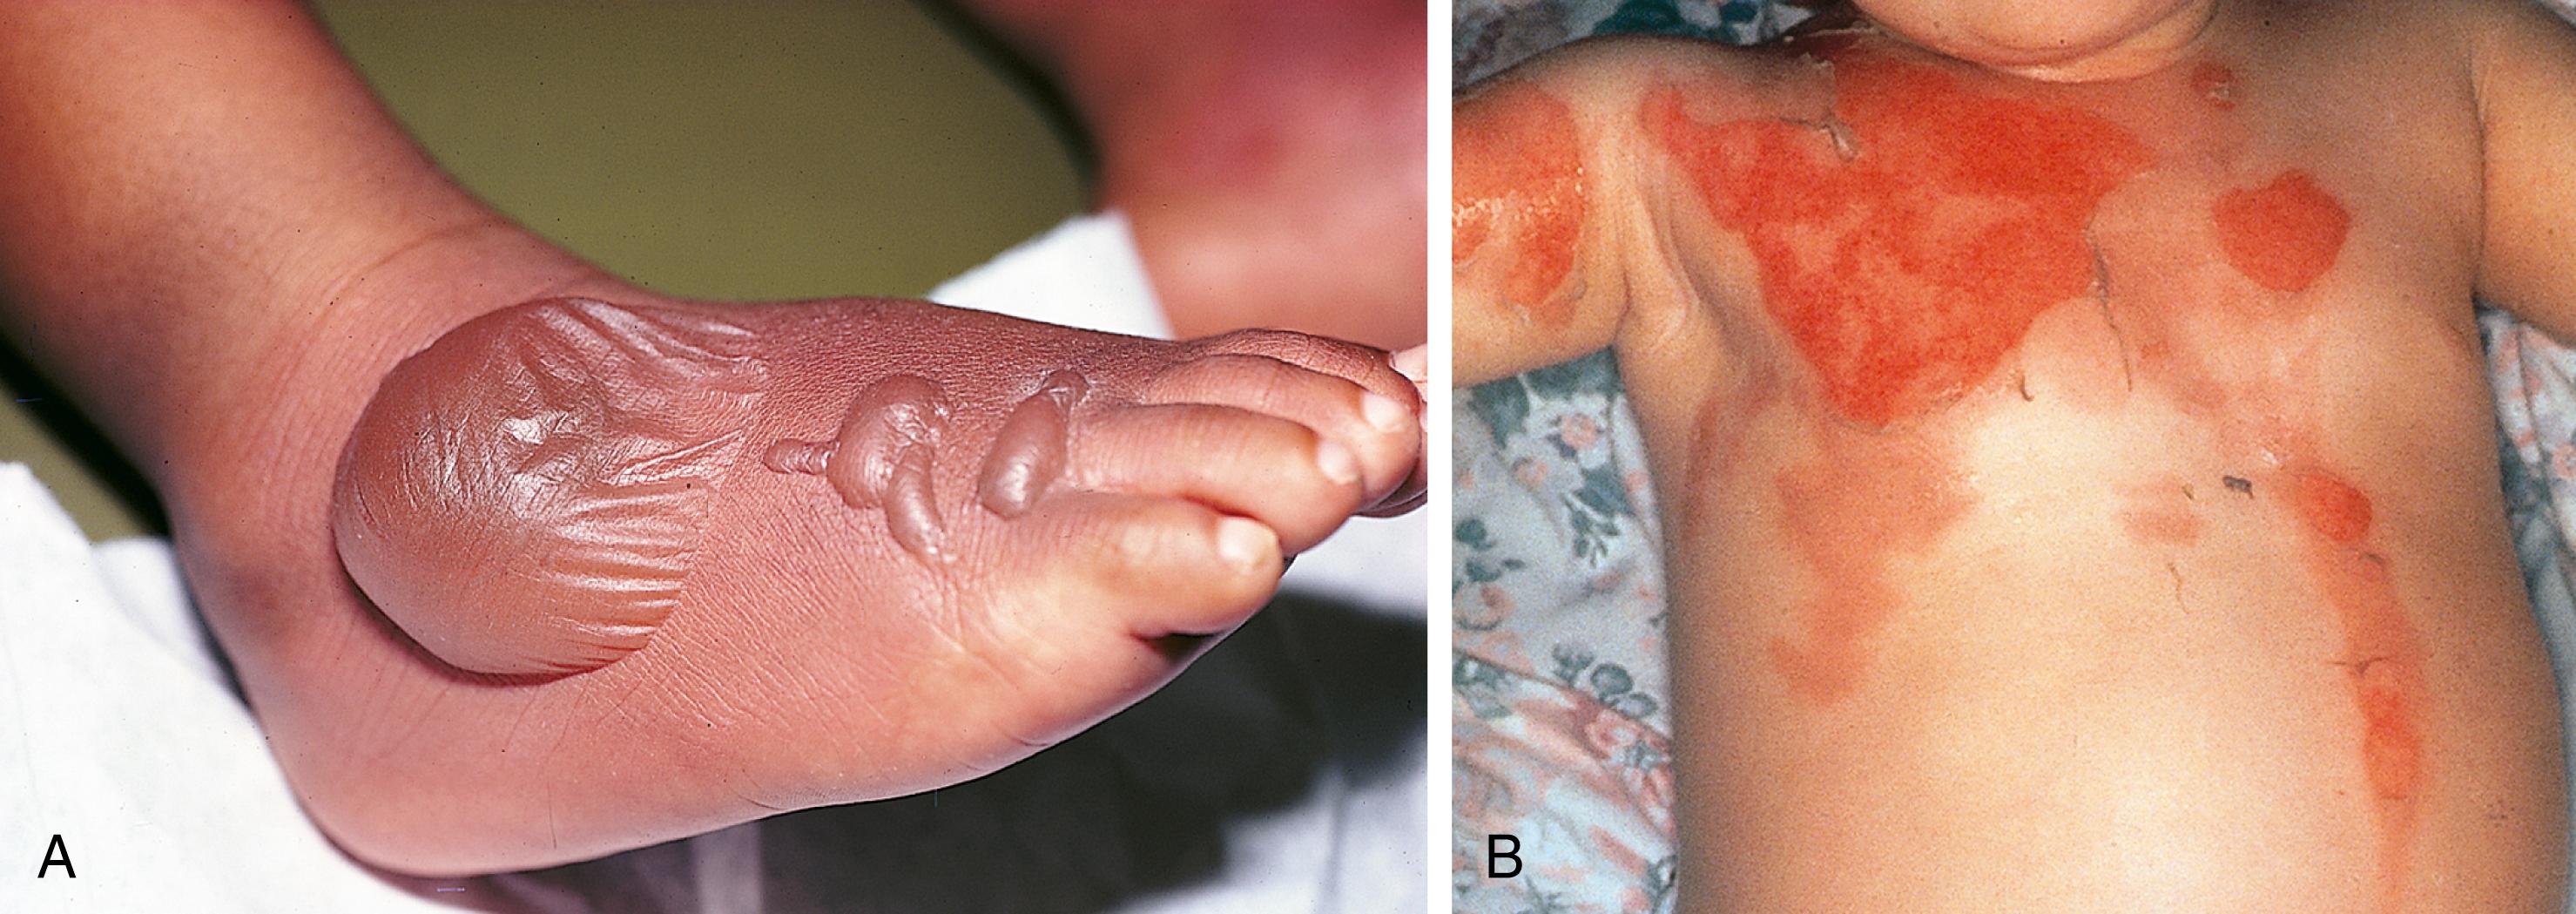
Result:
[1171,566]
[1383,432]
[1235,461]
[1363,365]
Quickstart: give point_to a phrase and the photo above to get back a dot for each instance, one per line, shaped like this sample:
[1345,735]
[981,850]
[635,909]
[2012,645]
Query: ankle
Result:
[271,420]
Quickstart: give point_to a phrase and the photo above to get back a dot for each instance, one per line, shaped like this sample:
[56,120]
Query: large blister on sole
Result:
[526,495]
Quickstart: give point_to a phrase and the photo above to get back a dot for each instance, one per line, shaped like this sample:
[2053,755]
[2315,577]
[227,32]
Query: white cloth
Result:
[1284,773]
[118,734]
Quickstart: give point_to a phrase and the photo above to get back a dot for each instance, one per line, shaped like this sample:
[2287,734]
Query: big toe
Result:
[1165,566]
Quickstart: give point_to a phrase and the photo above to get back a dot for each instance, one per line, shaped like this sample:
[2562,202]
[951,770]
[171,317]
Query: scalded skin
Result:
[530,495]
[811,658]
[525,497]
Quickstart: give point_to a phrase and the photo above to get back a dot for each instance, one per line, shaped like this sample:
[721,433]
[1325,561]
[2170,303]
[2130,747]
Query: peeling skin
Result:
[2216,84]
[524,496]
[1029,452]
[883,458]
[1519,173]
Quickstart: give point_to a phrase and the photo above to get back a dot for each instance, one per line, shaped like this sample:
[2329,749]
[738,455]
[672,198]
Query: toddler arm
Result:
[1540,204]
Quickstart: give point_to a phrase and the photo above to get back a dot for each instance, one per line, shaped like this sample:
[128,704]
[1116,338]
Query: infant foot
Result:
[901,544]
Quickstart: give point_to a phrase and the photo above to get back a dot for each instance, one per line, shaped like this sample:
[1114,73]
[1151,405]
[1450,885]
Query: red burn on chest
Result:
[1519,166]
[1907,256]
[2331,507]
[2282,235]
[1905,244]
[1848,518]
[2384,658]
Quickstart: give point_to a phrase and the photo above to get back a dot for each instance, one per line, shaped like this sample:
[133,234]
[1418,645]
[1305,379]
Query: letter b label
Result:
[1502,856]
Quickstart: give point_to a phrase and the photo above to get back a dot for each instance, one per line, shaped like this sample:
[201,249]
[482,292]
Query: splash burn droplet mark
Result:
[2282,235]
[2160,513]
[2384,658]
[2331,507]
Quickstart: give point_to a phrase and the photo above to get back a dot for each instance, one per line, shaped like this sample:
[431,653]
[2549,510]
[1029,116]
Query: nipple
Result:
[1029,452]
[882,458]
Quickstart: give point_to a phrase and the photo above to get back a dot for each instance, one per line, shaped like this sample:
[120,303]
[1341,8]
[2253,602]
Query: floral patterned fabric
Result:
[1486,36]
[1558,676]
[1558,671]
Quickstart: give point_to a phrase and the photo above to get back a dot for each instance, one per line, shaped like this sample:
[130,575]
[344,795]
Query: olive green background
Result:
[732,150]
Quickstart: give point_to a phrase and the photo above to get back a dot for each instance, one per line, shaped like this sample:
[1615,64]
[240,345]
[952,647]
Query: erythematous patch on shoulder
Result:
[525,496]
[1520,180]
